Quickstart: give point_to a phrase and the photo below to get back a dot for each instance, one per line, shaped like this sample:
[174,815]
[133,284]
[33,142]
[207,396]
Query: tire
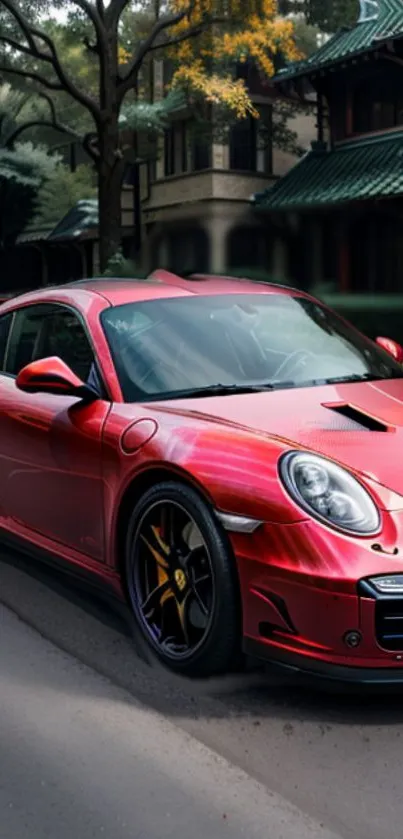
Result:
[214,602]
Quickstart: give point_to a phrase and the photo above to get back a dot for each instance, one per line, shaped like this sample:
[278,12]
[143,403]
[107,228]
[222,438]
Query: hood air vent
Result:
[360,420]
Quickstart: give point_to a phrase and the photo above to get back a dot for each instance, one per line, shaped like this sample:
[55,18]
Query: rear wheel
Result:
[182,581]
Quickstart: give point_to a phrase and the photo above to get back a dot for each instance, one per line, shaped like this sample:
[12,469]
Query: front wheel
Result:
[182,581]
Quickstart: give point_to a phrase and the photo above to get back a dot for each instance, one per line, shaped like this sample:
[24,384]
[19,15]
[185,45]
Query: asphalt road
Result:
[95,742]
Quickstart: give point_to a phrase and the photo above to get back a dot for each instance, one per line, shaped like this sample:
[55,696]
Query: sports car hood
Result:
[359,425]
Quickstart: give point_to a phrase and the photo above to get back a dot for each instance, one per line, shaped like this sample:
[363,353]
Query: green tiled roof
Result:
[348,42]
[355,171]
[81,219]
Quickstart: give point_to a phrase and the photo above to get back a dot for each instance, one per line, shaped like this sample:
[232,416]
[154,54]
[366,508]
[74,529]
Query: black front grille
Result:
[389,624]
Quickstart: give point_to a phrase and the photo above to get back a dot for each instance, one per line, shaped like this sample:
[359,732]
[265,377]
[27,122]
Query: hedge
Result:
[375,315]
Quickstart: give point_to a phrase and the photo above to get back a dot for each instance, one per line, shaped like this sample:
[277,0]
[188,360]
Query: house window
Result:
[377,107]
[243,145]
[183,140]
[251,143]
[200,152]
[152,170]
[169,151]
[253,78]
[175,149]
[265,140]
[129,175]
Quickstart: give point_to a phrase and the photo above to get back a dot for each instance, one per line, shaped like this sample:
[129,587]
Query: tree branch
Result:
[29,31]
[90,148]
[94,16]
[52,107]
[45,123]
[192,32]
[35,77]
[54,122]
[114,12]
[161,25]
[94,48]
[66,83]
[15,45]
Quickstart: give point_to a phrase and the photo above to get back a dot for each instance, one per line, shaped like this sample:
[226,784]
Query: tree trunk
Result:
[110,176]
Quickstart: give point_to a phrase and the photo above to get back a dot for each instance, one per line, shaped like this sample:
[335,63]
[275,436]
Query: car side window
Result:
[5,324]
[42,331]
[24,338]
[65,337]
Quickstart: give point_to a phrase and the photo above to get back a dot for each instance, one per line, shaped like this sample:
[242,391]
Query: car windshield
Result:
[181,346]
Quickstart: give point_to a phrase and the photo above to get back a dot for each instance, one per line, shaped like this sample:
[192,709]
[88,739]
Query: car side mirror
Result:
[52,375]
[392,347]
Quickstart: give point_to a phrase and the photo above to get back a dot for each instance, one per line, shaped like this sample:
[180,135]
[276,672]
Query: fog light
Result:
[353,638]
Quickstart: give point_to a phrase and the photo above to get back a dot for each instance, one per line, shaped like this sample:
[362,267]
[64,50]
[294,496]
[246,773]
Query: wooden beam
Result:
[349,113]
[344,266]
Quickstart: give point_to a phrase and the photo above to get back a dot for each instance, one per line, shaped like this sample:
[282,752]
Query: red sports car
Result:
[224,456]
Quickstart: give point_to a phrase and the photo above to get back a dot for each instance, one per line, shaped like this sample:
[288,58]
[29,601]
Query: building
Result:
[194,197]
[340,209]
[196,205]
[66,250]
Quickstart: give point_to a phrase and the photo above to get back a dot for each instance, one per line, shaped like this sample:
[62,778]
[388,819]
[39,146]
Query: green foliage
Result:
[16,108]
[120,267]
[94,71]
[327,15]
[27,164]
[23,169]
[22,172]
[372,314]
[61,191]
[147,116]
[31,9]
[306,37]
[331,15]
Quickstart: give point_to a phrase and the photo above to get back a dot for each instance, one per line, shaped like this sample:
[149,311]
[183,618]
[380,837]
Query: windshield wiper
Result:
[219,390]
[353,377]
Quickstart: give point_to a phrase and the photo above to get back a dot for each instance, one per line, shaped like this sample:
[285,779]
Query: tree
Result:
[327,15]
[61,191]
[23,168]
[306,37]
[225,30]
[35,186]
[331,15]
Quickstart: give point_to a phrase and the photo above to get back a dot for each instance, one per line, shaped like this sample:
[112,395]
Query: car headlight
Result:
[329,493]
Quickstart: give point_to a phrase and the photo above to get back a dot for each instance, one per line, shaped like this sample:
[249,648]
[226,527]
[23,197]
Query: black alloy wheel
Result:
[182,581]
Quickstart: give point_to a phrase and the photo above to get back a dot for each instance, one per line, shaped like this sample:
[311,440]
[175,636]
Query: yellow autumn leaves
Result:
[244,29]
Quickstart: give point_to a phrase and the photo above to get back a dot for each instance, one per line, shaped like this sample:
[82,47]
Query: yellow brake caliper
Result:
[163,577]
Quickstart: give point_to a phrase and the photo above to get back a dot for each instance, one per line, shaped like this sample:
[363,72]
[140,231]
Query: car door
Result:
[50,445]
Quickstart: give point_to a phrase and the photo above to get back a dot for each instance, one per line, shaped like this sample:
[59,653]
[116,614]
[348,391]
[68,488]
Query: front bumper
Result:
[314,671]
[304,591]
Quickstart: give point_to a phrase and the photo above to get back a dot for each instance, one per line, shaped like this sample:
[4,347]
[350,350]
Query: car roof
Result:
[160,284]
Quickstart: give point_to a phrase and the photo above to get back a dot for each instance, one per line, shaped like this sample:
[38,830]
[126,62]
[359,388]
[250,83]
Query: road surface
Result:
[97,743]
